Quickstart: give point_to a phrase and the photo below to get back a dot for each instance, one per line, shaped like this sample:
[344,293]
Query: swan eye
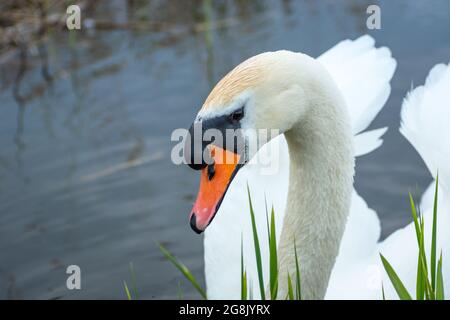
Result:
[237,115]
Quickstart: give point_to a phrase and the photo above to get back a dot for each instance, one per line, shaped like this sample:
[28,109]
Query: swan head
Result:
[262,97]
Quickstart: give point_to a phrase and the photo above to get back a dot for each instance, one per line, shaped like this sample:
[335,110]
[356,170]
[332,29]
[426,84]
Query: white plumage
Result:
[425,117]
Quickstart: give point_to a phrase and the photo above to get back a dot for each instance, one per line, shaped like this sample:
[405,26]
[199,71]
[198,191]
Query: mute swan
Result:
[321,106]
[425,122]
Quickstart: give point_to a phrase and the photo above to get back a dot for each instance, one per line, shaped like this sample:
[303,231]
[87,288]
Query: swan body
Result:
[360,74]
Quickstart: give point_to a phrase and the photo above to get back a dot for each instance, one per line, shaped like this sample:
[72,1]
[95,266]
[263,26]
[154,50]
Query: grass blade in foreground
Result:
[440,281]
[290,290]
[396,282]
[273,258]
[133,281]
[415,218]
[298,286]
[243,275]
[127,291]
[423,286]
[257,248]
[433,238]
[420,282]
[184,270]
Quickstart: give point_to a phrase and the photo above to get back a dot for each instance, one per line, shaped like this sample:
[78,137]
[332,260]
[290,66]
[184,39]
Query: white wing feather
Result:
[363,74]
[426,121]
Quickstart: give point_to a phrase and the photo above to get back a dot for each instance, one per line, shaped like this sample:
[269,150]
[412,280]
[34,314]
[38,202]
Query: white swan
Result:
[425,123]
[294,93]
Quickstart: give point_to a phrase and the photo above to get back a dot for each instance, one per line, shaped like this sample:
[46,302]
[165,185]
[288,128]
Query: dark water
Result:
[85,170]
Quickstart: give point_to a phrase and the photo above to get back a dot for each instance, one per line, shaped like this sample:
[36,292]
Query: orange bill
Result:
[214,181]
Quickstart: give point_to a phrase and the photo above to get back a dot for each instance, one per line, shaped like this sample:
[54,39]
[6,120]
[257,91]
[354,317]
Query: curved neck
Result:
[320,186]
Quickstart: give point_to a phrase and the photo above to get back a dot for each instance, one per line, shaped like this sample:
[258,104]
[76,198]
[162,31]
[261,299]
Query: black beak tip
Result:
[193,223]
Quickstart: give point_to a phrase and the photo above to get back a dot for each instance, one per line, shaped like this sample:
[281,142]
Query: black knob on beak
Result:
[194,147]
[193,223]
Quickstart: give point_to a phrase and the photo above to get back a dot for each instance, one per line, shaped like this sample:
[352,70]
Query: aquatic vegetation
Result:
[184,270]
[246,289]
[429,283]
[135,294]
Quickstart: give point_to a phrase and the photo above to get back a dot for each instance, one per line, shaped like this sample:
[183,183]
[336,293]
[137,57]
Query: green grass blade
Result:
[290,295]
[420,288]
[415,218]
[133,281]
[127,291]
[243,275]
[396,282]
[422,245]
[421,264]
[257,248]
[273,258]
[440,281]
[429,293]
[382,291]
[184,270]
[244,293]
[423,288]
[433,239]
[298,287]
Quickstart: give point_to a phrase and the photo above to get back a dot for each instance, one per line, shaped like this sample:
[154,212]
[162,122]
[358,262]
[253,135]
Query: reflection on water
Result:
[86,117]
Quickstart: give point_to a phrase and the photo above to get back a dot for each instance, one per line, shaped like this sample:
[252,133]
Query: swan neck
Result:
[320,184]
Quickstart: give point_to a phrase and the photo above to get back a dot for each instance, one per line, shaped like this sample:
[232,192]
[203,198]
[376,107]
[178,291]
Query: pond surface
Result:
[85,170]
